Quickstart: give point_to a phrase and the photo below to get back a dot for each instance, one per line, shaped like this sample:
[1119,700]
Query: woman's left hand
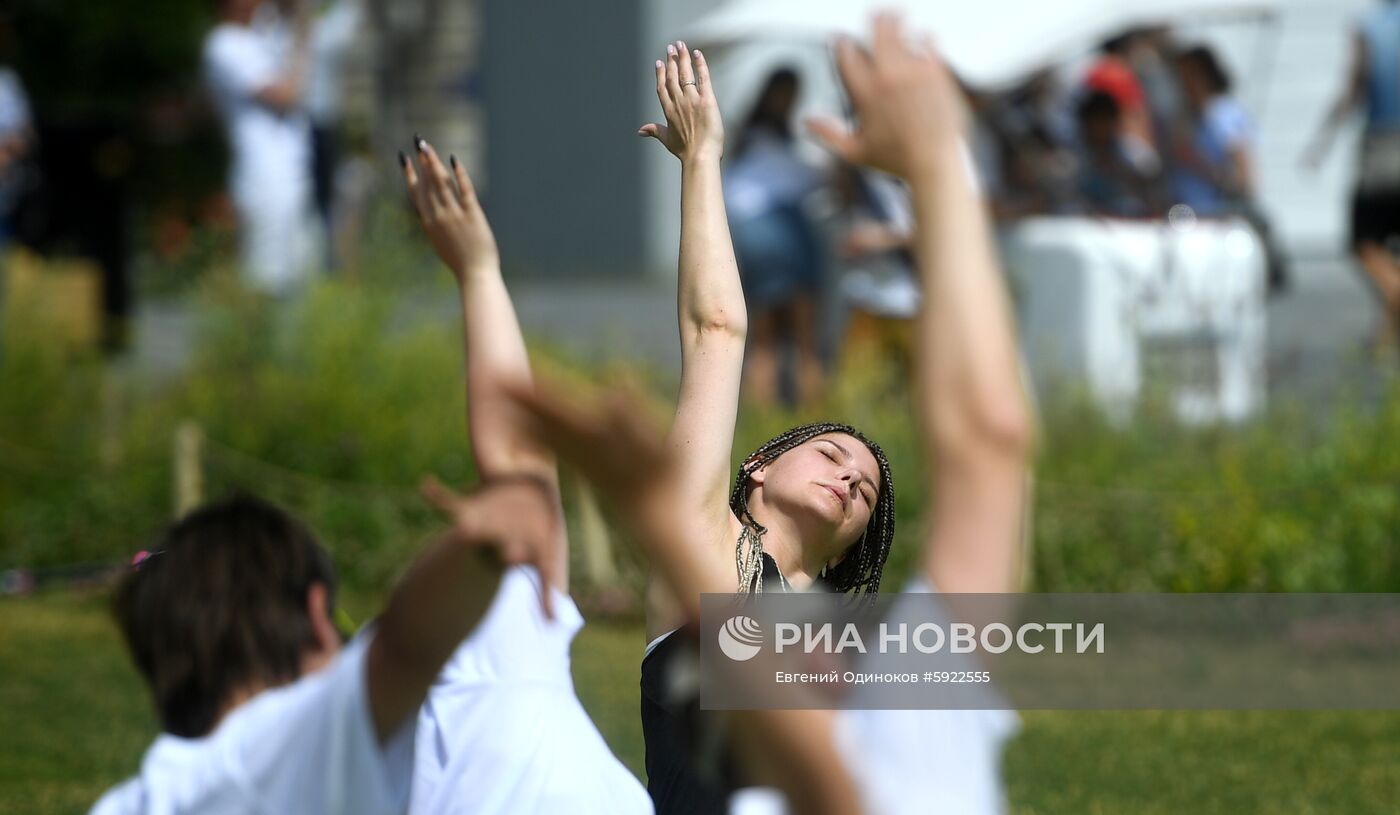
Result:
[450,213]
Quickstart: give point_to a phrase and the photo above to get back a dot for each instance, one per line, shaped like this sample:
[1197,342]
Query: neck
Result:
[797,551]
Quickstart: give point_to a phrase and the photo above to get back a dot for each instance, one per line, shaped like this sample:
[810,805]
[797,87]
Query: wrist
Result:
[935,162]
[702,160]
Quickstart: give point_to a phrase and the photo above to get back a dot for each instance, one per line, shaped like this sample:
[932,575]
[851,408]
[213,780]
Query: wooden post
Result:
[189,466]
[594,540]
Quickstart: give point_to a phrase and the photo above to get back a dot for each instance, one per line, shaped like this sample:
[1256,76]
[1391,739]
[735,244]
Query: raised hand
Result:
[450,213]
[693,128]
[616,446]
[516,519]
[906,103]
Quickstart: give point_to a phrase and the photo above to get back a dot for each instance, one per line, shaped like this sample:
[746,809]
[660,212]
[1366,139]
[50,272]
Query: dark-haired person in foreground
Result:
[976,426]
[502,730]
[229,620]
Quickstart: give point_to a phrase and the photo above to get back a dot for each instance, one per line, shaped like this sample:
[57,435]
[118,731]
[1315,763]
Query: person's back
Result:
[306,747]
[1380,29]
[503,730]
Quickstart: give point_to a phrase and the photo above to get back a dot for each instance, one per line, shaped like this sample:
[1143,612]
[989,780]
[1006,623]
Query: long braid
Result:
[860,571]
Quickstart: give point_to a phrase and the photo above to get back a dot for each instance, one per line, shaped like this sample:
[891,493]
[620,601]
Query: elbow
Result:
[1002,430]
[729,323]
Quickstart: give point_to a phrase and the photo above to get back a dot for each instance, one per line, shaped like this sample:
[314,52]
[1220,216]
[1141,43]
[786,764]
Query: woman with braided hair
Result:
[972,412]
[813,507]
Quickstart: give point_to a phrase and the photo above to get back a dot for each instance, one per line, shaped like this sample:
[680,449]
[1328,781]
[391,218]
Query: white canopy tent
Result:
[1098,298]
[991,44]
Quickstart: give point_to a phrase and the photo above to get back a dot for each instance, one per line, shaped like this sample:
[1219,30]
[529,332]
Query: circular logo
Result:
[740,638]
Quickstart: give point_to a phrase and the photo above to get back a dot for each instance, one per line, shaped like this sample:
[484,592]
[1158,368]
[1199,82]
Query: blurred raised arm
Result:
[639,474]
[710,306]
[450,586]
[973,413]
[457,228]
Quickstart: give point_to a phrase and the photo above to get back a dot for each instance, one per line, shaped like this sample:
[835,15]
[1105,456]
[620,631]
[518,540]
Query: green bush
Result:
[336,404]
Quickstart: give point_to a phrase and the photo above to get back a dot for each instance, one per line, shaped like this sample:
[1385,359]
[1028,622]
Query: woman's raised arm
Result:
[710,301]
[457,228]
[975,419]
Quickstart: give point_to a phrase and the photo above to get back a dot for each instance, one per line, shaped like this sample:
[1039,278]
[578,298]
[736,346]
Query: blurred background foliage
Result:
[338,403]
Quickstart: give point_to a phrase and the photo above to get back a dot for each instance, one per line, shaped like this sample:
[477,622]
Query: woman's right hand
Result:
[450,213]
[693,129]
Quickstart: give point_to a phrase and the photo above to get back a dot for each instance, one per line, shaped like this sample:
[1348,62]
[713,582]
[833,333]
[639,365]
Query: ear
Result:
[322,627]
[756,477]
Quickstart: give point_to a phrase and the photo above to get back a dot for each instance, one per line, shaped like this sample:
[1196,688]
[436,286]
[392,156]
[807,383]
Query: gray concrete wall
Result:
[564,170]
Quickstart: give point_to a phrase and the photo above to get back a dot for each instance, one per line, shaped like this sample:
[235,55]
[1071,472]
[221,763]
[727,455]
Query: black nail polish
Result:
[403,160]
[418,142]
[452,159]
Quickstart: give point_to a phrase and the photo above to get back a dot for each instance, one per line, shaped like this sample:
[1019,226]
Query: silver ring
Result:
[691,82]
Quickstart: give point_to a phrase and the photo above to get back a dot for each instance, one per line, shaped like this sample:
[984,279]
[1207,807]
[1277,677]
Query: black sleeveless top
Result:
[690,771]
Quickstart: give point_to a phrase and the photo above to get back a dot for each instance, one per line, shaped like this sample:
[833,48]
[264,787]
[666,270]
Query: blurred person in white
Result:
[262,709]
[1373,83]
[977,438]
[256,73]
[502,730]
[775,243]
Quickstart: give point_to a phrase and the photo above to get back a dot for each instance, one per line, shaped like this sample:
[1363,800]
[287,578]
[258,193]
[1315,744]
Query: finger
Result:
[546,567]
[673,72]
[466,190]
[853,62]
[685,67]
[888,40]
[837,138]
[654,130]
[554,422]
[663,94]
[439,496]
[702,74]
[440,182]
[410,177]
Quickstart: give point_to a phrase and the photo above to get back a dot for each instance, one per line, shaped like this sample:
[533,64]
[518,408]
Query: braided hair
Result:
[860,571]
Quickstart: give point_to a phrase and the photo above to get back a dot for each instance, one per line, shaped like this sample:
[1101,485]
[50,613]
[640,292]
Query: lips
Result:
[840,496]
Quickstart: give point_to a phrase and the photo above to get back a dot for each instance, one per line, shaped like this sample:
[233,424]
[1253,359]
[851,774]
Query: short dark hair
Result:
[1203,58]
[220,604]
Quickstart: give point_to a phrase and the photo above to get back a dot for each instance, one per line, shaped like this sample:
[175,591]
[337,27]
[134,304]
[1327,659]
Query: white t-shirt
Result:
[503,731]
[271,150]
[308,748]
[914,761]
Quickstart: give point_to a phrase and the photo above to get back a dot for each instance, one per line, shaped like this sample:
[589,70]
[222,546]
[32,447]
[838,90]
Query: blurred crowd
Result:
[1148,128]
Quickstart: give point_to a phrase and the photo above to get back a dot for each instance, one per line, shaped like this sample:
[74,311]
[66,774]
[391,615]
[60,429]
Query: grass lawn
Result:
[74,719]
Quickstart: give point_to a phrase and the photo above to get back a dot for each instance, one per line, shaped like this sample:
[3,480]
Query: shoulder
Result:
[124,798]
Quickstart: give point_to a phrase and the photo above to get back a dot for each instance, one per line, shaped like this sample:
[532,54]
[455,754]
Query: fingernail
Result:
[671,49]
[403,160]
[697,53]
[452,159]
[418,142]
[659,64]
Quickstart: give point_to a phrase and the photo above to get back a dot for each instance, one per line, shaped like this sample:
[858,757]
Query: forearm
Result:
[434,607]
[709,295]
[967,369]
[495,356]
